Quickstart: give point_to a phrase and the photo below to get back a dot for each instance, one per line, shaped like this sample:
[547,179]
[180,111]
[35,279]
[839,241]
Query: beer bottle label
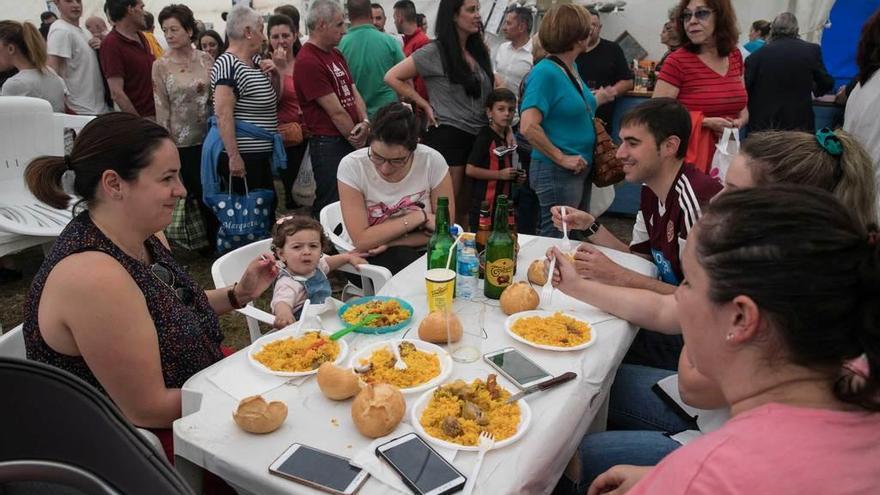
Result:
[500,272]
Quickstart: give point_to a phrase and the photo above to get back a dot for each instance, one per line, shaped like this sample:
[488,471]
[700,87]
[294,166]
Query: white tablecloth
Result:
[207,436]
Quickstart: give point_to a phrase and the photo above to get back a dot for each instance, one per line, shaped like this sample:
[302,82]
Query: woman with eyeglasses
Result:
[781,292]
[706,73]
[388,190]
[110,304]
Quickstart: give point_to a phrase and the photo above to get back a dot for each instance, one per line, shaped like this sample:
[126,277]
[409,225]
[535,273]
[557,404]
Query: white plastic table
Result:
[206,436]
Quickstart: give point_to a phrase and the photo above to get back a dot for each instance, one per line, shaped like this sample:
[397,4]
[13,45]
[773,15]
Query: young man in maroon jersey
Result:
[654,138]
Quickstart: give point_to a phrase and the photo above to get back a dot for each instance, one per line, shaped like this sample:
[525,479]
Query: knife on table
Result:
[567,376]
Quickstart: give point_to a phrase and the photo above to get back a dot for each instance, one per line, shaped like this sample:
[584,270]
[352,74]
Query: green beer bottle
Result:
[500,258]
[441,240]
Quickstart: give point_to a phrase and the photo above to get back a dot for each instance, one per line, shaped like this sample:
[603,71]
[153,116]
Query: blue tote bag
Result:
[243,218]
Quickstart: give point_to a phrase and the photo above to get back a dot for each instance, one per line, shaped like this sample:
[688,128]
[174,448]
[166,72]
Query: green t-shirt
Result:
[370,53]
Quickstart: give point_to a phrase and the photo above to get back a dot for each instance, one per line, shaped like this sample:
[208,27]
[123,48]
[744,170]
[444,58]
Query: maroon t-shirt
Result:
[133,62]
[662,229]
[320,73]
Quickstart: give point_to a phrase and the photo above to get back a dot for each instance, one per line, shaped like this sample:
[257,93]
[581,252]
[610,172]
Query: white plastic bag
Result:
[725,150]
[304,186]
[600,199]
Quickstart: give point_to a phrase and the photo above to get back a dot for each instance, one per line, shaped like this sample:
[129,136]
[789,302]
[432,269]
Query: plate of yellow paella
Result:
[454,414]
[395,314]
[427,365]
[295,352]
[550,330]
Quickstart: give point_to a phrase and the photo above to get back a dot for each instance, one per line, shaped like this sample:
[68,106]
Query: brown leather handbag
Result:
[292,133]
[607,169]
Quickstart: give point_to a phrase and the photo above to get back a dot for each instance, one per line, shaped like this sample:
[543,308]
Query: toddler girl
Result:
[297,242]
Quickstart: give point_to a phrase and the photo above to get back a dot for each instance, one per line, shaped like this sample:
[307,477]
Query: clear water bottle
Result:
[467,268]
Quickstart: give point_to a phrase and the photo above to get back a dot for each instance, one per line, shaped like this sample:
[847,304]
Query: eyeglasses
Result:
[394,162]
[699,14]
[166,276]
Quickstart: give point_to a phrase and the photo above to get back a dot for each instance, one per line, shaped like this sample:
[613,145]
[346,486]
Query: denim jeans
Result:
[640,419]
[600,452]
[326,152]
[555,185]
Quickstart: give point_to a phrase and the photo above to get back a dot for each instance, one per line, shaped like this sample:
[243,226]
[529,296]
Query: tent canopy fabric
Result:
[643,19]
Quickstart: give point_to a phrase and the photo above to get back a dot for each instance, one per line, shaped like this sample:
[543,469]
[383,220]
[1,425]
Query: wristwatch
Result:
[592,229]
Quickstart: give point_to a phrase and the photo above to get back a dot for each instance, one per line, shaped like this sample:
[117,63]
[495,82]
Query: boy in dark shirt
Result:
[490,164]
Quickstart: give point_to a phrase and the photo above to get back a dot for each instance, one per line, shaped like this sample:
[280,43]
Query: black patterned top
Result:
[189,335]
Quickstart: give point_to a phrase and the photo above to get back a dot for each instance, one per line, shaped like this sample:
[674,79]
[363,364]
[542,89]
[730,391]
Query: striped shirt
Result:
[701,89]
[661,229]
[255,98]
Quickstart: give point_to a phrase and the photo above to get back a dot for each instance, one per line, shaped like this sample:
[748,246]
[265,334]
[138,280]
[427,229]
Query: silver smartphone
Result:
[318,469]
[516,367]
[420,467]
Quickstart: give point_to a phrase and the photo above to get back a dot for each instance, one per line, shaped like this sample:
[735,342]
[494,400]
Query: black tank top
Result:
[189,335]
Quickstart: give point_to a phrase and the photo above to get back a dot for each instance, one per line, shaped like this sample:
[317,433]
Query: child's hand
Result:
[509,173]
[283,318]
[355,259]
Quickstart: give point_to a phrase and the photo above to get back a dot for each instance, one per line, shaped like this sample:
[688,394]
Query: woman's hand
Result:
[565,277]
[575,163]
[618,480]
[236,165]
[574,218]
[605,94]
[258,276]
[430,121]
[717,124]
[279,59]
[377,250]
[429,224]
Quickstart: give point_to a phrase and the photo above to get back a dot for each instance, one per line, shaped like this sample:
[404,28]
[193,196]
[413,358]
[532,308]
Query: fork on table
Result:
[487,442]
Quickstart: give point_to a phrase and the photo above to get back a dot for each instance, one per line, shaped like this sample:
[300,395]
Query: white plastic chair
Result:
[331,219]
[229,268]
[28,129]
[12,345]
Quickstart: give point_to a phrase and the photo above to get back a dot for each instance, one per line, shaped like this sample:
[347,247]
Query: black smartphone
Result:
[423,470]
[516,367]
[322,470]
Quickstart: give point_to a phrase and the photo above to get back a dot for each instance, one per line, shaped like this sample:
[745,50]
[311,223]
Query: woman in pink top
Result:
[283,33]
[781,290]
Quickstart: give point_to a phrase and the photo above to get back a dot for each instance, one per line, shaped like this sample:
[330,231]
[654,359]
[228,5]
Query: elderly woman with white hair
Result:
[245,105]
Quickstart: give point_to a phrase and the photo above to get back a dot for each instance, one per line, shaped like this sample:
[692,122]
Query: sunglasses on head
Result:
[166,276]
[699,14]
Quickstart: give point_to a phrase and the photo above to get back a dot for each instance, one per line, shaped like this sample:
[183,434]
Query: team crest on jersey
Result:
[670,231]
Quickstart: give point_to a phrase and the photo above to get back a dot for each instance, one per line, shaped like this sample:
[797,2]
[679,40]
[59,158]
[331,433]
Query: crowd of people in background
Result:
[764,310]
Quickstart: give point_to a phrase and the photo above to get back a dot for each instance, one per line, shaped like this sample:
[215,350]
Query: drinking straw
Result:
[452,250]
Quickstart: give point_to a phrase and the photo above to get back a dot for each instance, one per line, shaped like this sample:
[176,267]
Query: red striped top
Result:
[701,89]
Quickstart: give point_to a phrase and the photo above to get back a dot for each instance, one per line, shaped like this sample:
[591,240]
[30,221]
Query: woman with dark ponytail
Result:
[23,47]
[110,304]
[782,289]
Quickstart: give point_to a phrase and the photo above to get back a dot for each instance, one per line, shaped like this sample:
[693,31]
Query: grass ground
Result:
[13,294]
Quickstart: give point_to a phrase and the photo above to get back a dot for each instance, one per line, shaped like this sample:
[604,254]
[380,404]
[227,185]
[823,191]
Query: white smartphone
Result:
[322,470]
[423,470]
[516,367]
